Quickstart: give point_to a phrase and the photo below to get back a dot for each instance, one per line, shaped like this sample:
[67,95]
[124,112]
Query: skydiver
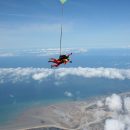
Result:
[63,59]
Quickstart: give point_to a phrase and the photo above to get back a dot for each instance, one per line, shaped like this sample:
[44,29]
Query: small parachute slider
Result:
[63,1]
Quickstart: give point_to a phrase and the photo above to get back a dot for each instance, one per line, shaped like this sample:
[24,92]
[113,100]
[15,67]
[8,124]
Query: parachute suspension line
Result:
[61,33]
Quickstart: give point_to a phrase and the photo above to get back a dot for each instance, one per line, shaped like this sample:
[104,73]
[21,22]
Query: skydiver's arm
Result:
[69,54]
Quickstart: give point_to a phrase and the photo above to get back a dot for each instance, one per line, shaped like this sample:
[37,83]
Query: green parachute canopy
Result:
[63,1]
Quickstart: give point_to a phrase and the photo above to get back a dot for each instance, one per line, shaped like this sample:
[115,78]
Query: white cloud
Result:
[120,121]
[54,51]
[42,75]
[42,52]
[112,124]
[68,94]
[100,104]
[39,74]
[110,73]
[114,103]
[2,54]
[127,104]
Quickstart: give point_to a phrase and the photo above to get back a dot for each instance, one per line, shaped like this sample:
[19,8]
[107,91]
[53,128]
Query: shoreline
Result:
[46,127]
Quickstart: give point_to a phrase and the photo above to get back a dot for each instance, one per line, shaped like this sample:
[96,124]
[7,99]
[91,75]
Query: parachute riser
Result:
[61,33]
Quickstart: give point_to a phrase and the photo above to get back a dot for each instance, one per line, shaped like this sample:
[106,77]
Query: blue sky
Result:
[87,23]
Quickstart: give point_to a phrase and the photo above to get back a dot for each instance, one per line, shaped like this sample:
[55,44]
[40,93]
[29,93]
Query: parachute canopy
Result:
[63,1]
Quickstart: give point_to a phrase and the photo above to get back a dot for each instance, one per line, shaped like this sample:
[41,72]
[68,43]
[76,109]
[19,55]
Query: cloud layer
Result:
[119,111]
[114,103]
[41,52]
[40,74]
[6,54]
[112,124]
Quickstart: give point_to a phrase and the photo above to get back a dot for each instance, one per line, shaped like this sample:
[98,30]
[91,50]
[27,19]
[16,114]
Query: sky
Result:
[86,23]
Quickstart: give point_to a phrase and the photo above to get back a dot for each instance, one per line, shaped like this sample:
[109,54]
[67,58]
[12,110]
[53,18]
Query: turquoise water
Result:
[11,112]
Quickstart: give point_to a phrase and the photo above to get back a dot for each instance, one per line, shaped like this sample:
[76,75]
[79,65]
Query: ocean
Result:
[26,79]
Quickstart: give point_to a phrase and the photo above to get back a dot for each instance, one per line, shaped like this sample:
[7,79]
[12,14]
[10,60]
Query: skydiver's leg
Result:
[50,60]
[53,60]
[55,65]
